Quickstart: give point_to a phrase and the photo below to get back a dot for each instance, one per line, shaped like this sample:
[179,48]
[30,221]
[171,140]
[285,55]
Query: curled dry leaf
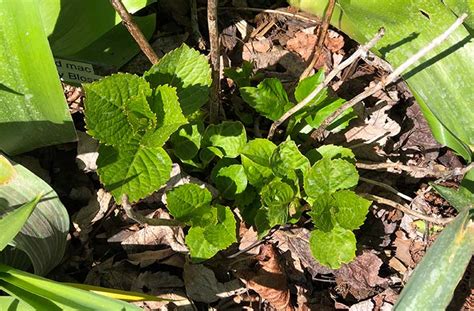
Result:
[94,211]
[87,152]
[269,280]
[202,285]
[360,278]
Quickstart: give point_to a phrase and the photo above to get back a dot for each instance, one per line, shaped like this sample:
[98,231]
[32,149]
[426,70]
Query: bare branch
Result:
[390,78]
[358,53]
[407,210]
[136,33]
[214,101]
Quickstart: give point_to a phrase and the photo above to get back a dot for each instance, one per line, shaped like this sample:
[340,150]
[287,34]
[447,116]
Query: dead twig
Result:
[322,34]
[318,133]
[407,210]
[214,102]
[358,53]
[386,187]
[421,171]
[142,220]
[136,33]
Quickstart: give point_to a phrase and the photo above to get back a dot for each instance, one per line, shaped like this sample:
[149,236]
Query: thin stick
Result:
[197,36]
[390,78]
[322,34]
[425,172]
[387,187]
[359,52]
[279,12]
[405,209]
[215,59]
[145,220]
[136,33]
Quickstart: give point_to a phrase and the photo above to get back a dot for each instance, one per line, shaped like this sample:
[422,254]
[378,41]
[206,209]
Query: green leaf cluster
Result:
[270,99]
[335,210]
[133,117]
[213,227]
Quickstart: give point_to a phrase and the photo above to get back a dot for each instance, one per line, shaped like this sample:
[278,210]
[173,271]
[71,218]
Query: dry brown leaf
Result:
[334,41]
[302,44]
[270,280]
[147,258]
[202,285]
[152,283]
[360,277]
[248,236]
[376,128]
[93,212]
[87,152]
[297,242]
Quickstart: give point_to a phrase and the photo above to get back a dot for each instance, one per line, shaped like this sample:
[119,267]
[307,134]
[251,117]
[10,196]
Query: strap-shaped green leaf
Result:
[7,171]
[12,222]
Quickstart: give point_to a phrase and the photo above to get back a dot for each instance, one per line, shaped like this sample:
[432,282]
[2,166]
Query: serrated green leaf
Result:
[138,113]
[240,76]
[277,215]
[351,209]
[7,171]
[286,158]
[186,142]
[169,116]
[223,234]
[327,176]
[333,248]
[230,180]
[188,203]
[228,136]
[188,71]
[12,222]
[133,169]
[257,174]
[331,152]
[322,213]
[107,103]
[259,150]
[268,98]
[277,193]
[205,242]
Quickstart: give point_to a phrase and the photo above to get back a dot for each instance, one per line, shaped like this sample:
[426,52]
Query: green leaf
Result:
[331,152]
[189,203]
[351,209]
[257,174]
[228,136]
[205,242]
[230,180]
[188,71]
[14,304]
[463,198]
[33,110]
[7,171]
[169,116]
[308,85]
[241,76]
[12,222]
[19,283]
[133,169]
[286,158]
[186,142]
[112,103]
[115,47]
[43,236]
[327,176]
[268,98]
[277,193]
[333,248]
[322,213]
[259,150]
[443,265]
